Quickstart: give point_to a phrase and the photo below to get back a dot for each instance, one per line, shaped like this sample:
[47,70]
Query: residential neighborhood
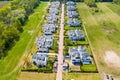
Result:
[59,39]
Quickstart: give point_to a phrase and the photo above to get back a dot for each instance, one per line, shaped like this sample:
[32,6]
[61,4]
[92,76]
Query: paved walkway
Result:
[60,55]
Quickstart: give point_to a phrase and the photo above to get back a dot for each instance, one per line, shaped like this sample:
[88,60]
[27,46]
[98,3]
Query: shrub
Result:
[30,69]
[66,51]
[88,68]
[90,3]
[93,4]
[68,42]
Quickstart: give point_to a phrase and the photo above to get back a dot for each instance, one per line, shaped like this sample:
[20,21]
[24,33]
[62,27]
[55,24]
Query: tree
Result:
[12,17]
[17,15]
[2,41]
[90,3]
[9,35]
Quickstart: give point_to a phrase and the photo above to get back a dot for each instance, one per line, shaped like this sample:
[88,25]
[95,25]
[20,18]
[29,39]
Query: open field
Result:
[2,3]
[103,31]
[114,7]
[37,76]
[80,76]
[8,65]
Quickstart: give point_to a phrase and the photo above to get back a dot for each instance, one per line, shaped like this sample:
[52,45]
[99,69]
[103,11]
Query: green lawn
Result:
[114,7]
[103,31]
[37,76]
[88,68]
[8,65]
[80,76]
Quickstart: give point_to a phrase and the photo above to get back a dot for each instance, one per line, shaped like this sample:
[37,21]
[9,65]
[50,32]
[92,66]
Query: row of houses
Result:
[53,12]
[45,41]
[52,18]
[79,55]
[72,14]
[75,35]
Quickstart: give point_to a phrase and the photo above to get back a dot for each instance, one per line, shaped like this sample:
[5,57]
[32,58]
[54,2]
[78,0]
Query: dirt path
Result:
[112,59]
[60,55]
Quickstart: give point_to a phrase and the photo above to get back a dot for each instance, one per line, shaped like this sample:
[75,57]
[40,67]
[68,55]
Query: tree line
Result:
[92,2]
[12,18]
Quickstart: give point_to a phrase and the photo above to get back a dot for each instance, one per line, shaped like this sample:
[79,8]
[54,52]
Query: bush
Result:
[55,46]
[88,68]
[67,42]
[66,51]
[96,10]
[92,4]
[30,69]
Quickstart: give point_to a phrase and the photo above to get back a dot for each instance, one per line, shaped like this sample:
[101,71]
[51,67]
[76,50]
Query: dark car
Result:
[107,76]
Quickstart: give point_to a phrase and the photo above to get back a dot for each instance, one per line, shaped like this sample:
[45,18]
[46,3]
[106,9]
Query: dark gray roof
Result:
[71,8]
[53,11]
[79,55]
[70,3]
[44,41]
[55,4]
[72,14]
[49,28]
[73,22]
[52,17]
[40,59]
[75,35]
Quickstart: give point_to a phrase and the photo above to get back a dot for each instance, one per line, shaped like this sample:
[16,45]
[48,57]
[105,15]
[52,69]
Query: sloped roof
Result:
[73,22]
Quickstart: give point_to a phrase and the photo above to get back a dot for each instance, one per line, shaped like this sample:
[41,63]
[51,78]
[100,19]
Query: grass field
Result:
[80,76]
[114,7]
[37,76]
[8,65]
[103,31]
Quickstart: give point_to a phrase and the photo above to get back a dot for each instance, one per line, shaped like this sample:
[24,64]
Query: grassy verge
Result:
[37,76]
[80,76]
[9,63]
[88,68]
